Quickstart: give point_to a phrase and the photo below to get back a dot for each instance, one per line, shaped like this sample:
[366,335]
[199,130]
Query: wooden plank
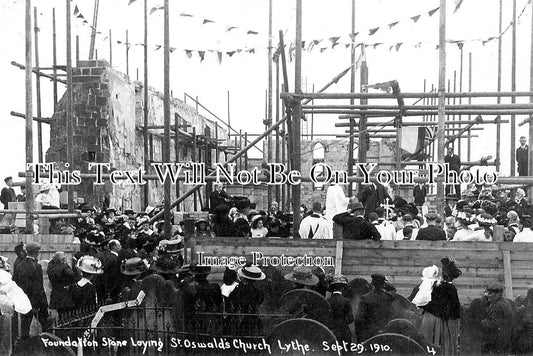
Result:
[417,271]
[422,262]
[338,258]
[415,254]
[507,274]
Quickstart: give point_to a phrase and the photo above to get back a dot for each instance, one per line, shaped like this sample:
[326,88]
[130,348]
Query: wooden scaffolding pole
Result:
[127,54]
[70,159]
[110,48]
[166,86]
[352,90]
[469,139]
[269,95]
[93,29]
[54,56]
[278,142]
[441,101]
[38,89]
[513,88]
[297,110]
[29,121]
[499,87]
[146,189]
[530,153]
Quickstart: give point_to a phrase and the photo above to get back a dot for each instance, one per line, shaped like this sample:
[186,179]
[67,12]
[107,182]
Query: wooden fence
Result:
[482,263]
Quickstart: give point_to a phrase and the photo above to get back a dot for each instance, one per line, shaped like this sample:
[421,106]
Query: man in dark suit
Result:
[30,280]
[372,196]
[419,193]
[113,277]
[454,163]
[375,309]
[341,306]
[8,194]
[219,197]
[522,154]
[354,225]
[432,232]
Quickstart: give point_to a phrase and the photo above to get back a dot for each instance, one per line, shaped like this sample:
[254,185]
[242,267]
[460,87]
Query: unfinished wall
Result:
[107,127]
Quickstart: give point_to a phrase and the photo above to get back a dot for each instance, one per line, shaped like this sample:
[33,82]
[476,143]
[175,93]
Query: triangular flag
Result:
[158,47]
[188,53]
[431,12]
[392,24]
[171,49]
[207,21]
[154,9]
[323,49]
[390,48]
[250,32]
[457,5]
[460,45]
[377,44]
[334,41]
[119,42]
[76,10]
[346,45]
[202,55]
[415,18]
[231,53]
[398,45]
[353,35]
[219,55]
[80,16]
[373,31]
[303,44]
[251,50]
[85,21]
[131,2]
[185,15]
[230,28]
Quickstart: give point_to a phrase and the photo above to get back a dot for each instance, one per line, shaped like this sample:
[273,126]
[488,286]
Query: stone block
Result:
[101,100]
[85,79]
[97,71]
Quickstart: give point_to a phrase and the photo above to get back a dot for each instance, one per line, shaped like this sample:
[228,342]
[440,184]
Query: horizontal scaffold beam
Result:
[380,129]
[414,123]
[422,107]
[316,96]
[392,113]
[41,120]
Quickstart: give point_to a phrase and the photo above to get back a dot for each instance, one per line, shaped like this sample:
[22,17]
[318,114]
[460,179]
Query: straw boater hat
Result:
[302,275]
[134,266]
[90,264]
[171,246]
[44,187]
[253,273]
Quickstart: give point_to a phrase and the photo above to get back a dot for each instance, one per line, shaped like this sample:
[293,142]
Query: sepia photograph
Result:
[165,165]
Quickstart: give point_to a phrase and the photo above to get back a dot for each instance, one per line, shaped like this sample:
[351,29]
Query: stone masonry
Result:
[107,128]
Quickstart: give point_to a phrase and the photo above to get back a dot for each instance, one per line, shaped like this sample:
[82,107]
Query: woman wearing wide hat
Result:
[166,267]
[302,277]
[134,269]
[84,292]
[463,222]
[440,323]
[250,297]
[484,233]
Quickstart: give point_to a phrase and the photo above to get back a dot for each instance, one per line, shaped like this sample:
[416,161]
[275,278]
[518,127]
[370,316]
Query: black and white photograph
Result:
[165,164]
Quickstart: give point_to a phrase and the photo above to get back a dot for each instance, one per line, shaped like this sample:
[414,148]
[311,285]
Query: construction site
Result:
[110,128]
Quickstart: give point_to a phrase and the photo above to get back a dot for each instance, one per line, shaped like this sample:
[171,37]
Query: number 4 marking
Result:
[431,350]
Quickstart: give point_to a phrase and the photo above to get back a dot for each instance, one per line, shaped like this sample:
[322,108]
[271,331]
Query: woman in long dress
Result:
[440,323]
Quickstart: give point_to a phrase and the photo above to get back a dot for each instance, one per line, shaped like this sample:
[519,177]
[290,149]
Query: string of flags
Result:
[204,20]
[322,45]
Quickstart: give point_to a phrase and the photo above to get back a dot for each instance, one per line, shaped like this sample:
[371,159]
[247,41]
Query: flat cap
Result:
[496,287]
[33,246]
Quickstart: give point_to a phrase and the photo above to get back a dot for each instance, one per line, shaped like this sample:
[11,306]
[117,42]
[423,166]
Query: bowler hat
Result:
[339,280]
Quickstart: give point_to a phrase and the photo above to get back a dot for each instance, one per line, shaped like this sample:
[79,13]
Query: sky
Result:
[245,74]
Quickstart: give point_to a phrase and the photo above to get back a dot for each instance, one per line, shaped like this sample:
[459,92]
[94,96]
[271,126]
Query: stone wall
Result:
[107,128]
